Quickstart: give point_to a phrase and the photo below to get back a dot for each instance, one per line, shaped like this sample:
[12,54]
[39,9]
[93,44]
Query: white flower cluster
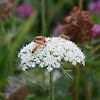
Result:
[51,55]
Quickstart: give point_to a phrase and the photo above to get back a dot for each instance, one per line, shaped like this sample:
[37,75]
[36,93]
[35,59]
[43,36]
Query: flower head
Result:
[25,10]
[58,29]
[57,50]
[96,30]
[78,25]
[7,7]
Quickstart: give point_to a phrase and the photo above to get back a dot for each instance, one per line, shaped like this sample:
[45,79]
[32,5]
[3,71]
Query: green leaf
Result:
[1,96]
[96,63]
[4,68]
[96,48]
[75,2]
[96,19]
[87,46]
[97,73]
[19,39]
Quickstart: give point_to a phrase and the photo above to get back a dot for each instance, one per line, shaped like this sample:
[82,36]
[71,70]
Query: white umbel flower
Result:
[57,49]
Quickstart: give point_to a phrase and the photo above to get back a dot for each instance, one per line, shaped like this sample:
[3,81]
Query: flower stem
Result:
[88,85]
[2,28]
[78,82]
[43,26]
[51,86]
[81,3]
[43,17]
[43,71]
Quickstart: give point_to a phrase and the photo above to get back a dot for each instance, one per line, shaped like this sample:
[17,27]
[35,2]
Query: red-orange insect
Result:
[64,36]
[40,37]
[36,47]
[39,40]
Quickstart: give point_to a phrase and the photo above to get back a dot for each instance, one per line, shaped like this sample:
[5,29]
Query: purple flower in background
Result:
[96,30]
[13,86]
[98,7]
[25,10]
[58,29]
[94,7]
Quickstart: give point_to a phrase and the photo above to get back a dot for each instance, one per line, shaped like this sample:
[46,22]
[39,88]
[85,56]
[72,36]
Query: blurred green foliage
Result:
[96,19]
[17,32]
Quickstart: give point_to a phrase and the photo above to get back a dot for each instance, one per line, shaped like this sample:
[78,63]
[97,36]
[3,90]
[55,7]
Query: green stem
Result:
[2,29]
[43,76]
[43,17]
[51,86]
[43,26]
[88,85]
[78,83]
